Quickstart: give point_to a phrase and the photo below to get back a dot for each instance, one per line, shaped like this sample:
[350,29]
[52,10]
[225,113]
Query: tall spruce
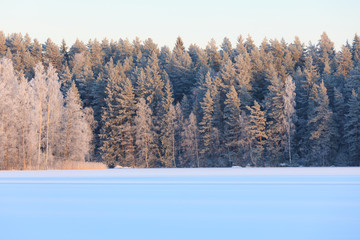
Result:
[232,126]
[167,128]
[321,127]
[257,134]
[274,104]
[206,126]
[190,142]
[352,129]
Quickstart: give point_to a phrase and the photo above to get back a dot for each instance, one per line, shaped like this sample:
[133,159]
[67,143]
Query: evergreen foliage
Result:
[132,104]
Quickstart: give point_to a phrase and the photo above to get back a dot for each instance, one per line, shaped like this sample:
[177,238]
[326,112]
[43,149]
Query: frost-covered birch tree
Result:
[8,115]
[144,134]
[289,113]
[77,129]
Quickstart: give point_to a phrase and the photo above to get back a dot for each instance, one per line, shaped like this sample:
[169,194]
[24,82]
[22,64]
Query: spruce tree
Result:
[355,49]
[345,63]
[52,55]
[206,125]
[321,128]
[226,49]
[339,117]
[352,129]
[167,128]
[65,78]
[2,44]
[190,142]
[243,78]
[213,55]
[110,132]
[274,104]
[179,71]
[231,118]
[125,113]
[257,134]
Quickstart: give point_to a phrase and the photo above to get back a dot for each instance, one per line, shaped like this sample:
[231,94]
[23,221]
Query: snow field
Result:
[227,203]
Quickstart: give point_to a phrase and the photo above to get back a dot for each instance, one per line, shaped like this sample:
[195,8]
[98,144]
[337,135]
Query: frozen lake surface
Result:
[221,204]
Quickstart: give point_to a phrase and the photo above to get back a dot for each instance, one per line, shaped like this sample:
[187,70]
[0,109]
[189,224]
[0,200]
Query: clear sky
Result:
[196,21]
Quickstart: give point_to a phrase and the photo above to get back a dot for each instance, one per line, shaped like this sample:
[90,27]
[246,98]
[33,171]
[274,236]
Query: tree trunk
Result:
[173,143]
[23,148]
[47,133]
[146,155]
[40,128]
[197,151]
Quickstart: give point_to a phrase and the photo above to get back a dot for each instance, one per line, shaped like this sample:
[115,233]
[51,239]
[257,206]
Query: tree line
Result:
[135,104]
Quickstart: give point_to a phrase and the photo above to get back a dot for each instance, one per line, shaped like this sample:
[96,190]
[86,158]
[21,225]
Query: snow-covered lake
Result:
[221,204]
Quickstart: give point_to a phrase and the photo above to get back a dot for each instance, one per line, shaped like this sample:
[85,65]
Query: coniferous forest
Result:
[135,104]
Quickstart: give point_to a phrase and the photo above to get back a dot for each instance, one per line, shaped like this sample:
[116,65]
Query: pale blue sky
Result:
[195,21]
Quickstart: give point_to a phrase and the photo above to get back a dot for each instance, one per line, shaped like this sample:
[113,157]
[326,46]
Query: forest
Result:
[135,104]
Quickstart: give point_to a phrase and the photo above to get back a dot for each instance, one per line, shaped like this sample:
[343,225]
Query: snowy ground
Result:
[221,204]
